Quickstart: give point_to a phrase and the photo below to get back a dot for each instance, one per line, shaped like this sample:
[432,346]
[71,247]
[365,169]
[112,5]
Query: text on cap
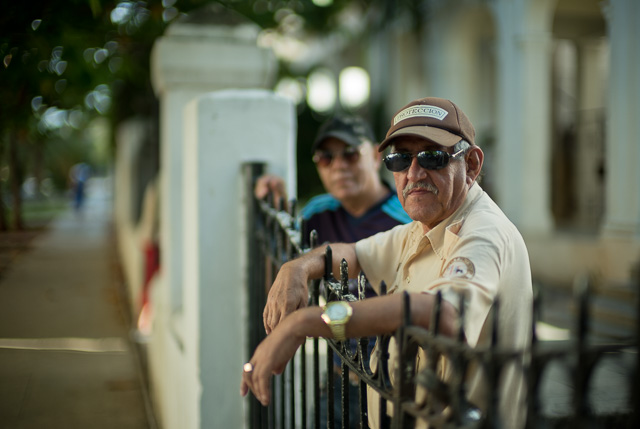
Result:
[420,111]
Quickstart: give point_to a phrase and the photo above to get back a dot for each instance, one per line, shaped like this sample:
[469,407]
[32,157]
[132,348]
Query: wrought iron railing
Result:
[275,238]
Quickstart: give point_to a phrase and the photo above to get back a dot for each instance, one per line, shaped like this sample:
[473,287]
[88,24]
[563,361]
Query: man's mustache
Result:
[419,185]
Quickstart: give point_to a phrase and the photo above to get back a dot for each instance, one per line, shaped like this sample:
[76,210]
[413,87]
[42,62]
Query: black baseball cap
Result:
[352,130]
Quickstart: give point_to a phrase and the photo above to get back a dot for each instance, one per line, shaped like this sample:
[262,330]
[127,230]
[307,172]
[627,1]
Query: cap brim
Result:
[433,134]
[349,139]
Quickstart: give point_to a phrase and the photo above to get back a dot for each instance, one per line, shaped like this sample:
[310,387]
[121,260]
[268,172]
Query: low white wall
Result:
[175,388]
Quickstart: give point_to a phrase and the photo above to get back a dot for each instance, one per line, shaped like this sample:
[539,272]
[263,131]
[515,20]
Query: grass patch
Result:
[43,211]
[37,213]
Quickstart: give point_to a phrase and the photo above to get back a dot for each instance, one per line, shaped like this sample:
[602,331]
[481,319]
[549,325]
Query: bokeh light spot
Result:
[321,94]
[354,85]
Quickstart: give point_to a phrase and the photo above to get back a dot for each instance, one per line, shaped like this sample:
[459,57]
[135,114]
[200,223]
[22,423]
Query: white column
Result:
[223,130]
[535,198]
[190,60]
[508,149]
[523,151]
[622,211]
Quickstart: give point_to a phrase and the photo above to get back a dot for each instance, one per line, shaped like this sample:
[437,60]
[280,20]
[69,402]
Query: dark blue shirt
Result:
[334,224]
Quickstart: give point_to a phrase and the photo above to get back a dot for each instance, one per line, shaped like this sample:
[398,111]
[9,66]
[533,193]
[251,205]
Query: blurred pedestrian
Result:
[79,175]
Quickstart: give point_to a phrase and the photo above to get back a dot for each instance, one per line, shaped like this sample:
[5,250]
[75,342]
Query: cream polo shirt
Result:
[478,252]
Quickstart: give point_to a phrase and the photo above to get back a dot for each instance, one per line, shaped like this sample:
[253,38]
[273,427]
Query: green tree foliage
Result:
[65,62]
[46,76]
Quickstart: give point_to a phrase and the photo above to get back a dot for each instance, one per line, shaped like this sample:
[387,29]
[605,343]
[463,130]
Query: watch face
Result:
[337,311]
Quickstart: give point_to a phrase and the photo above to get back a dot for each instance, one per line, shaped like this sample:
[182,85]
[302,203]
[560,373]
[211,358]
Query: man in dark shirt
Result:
[357,204]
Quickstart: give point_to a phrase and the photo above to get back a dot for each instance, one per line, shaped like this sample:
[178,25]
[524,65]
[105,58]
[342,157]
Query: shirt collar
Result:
[437,234]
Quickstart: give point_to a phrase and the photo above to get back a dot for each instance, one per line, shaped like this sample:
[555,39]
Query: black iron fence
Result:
[306,387]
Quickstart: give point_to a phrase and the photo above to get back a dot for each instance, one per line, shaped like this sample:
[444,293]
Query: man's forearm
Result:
[314,261]
[373,316]
[378,316]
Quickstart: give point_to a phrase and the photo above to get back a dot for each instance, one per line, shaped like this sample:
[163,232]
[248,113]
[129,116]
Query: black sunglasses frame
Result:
[427,159]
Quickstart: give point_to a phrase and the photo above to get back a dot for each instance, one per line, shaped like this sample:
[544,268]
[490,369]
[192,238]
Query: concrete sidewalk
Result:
[66,360]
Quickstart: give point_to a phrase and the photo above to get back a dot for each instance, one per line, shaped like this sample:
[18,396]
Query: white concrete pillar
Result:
[223,130]
[524,134]
[189,60]
[508,150]
[622,212]
[621,229]
[535,198]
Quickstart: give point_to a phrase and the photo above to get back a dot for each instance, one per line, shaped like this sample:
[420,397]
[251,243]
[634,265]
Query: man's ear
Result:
[475,158]
[377,156]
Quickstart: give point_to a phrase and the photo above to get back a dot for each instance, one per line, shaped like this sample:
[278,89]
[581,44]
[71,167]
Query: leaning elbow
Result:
[423,306]
[449,320]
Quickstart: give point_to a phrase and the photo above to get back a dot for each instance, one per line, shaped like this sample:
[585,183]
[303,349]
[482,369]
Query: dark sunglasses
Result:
[428,159]
[324,158]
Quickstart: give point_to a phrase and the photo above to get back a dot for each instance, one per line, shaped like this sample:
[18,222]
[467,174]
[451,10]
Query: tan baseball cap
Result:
[436,119]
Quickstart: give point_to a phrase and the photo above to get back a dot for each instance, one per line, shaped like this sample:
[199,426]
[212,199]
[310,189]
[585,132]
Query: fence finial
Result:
[313,239]
[362,283]
[581,290]
[461,317]
[344,277]
[435,314]
[406,300]
[328,262]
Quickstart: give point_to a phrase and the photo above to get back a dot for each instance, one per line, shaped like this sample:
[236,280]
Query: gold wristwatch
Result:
[336,315]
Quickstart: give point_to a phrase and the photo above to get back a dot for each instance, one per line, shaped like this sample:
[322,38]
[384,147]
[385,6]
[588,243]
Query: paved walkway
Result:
[66,360]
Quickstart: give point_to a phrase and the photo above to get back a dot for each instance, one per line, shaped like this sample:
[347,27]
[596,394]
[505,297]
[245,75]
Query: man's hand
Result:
[270,357]
[269,183]
[288,293]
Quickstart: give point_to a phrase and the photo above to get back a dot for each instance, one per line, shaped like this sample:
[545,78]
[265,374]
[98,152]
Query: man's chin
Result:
[416,207]
[342,197]
[420,198]
[344,192]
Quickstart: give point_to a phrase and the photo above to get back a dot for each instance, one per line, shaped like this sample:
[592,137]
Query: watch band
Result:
[337,329]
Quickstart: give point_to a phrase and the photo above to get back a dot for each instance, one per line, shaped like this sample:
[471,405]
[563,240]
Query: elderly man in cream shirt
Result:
[459,242]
